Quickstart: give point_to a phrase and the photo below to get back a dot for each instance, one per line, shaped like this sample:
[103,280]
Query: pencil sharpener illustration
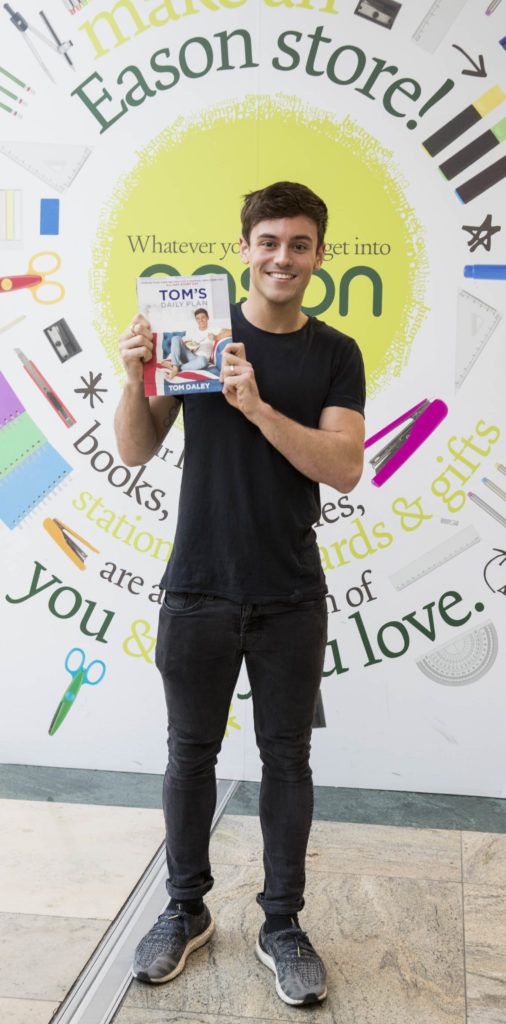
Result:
[383,12]
[62,340]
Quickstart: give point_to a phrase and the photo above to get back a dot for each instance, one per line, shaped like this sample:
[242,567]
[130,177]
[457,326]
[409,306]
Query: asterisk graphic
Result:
[481,235]
[90,389]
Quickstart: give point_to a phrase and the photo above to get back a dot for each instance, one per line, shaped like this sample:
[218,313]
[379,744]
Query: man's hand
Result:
[136,347]
[238,379]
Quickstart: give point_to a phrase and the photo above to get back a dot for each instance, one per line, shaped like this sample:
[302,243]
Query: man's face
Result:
[202,321]
[282,255]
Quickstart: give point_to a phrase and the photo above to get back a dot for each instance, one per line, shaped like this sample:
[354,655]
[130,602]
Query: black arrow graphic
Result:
[500,554]
[478,69]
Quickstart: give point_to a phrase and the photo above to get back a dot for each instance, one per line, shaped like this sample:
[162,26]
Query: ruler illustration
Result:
[57,164]
[10,218]
[476,323]
[464,660]
[436,23]
[441,553]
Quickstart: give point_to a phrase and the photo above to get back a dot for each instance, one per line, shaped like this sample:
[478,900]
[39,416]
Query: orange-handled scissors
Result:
[45,292]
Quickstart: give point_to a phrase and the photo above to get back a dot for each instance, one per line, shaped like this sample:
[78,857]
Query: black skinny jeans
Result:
[201,643]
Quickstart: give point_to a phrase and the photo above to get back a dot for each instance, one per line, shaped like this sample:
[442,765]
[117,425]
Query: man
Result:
[193,353]
[290,416]
[197,352]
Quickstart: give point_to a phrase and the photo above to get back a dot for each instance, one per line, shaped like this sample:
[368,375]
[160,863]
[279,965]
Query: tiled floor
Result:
[406,900]
[66,871]
[411,923]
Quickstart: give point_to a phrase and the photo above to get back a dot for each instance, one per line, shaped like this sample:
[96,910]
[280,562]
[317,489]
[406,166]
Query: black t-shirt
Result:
[245,521]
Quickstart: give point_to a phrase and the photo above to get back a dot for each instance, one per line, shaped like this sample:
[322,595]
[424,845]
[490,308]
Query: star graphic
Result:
[90,389]
[481,235]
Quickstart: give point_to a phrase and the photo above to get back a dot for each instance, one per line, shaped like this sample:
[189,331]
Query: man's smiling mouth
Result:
[280,276]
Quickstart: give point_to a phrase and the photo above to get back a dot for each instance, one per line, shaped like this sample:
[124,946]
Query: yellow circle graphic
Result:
[177,212]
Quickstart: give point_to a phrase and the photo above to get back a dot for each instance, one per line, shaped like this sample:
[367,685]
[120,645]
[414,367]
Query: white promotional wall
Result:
[129,134]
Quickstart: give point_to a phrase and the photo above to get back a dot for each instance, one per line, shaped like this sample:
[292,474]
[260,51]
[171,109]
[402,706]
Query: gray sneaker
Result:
[300,973]
[162,953]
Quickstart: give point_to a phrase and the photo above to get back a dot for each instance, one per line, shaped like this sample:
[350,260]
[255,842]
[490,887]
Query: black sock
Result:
[188,906]
[277,922]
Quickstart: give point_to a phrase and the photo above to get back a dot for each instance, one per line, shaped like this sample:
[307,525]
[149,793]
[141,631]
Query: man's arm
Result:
[140,423]
[332,453]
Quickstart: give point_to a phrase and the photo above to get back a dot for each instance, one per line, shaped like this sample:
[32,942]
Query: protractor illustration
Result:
[464,660]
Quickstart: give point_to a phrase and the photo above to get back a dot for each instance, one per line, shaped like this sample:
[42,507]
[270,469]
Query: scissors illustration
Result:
[80,675]
[45,292]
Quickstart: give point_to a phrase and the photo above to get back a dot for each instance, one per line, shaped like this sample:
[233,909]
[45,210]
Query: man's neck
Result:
[273,318]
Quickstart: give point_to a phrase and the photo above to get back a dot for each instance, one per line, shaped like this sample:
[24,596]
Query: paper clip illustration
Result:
[62,534]
[54,43]
[35,280]
[80,676]
[423,419]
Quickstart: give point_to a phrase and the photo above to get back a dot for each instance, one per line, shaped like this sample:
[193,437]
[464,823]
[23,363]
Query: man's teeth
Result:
[282,277]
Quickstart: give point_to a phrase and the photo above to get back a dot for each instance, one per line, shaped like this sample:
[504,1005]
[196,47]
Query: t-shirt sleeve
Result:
[347,386]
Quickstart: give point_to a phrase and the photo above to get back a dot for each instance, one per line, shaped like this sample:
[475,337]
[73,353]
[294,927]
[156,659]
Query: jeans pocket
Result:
[181,601]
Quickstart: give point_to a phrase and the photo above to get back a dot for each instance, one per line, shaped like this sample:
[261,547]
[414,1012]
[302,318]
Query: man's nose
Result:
[283,255]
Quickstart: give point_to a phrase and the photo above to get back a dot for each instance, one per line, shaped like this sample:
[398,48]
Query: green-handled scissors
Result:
[80,675]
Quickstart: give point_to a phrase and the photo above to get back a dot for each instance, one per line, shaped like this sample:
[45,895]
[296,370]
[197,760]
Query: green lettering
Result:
[380,69]
[141,84]
[443,606]
[34,588]
[338,668]
[208,50]
[399,87]
[165,69]
[224,38]
[288,50]
[360,55]
[344,289]
[92,106]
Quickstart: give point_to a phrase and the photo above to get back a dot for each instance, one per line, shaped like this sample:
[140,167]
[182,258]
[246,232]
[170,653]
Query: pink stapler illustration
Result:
[422,419]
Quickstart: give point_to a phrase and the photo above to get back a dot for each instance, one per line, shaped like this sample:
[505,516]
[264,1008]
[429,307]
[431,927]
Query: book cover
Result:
[190,320]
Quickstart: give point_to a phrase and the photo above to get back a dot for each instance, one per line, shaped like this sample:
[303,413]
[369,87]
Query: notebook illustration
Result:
[30,467]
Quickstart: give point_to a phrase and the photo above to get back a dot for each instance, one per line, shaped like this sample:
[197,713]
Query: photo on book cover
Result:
[190,320]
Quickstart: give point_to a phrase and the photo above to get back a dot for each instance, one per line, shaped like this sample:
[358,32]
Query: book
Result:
[191,325]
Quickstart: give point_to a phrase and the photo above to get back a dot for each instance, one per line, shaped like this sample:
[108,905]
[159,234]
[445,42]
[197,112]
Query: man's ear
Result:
[244,249]
[320,252]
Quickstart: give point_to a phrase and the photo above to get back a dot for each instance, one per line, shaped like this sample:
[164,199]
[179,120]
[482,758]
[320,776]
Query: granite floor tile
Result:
[40,957]
[393,948]
[129,1015]
[347,848]
[485,939]
[80,786]
[332,803]
[73,860]
[26,1011]
[484,858]
[391,807]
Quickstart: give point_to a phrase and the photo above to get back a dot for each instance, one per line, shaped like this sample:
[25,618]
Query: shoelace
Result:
[163,927]
[294,943]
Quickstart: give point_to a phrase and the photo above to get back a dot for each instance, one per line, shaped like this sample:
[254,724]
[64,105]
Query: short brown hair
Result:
[283,199]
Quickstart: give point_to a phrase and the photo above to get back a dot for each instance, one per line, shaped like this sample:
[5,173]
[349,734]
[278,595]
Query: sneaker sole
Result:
[311,997]
[195,943]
